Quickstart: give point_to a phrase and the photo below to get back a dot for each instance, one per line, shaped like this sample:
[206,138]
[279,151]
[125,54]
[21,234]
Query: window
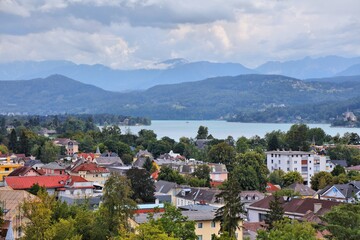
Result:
[288,169]
[262,217]
[279,161]
[213,224]
[295,169]
[295,162]
[272,155]
[288,162]
[199,237]
[272,161]
[200,225]
[7,169]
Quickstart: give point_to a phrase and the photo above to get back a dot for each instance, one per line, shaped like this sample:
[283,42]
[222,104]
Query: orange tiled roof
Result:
[90,168]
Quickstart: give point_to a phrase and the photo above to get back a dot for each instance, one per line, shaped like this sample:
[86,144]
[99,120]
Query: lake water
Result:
[222,129]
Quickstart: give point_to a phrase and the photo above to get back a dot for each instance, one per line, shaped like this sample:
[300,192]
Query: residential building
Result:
[249,197]
[303,190]
[6,167]
[306,163]
[166,191]
[295,208]
[53,168]
[348,192]
[25,171]
[191,196]
[353,168]
[11,201]
[91,172]
[109,159]
[71,146]
[205,223]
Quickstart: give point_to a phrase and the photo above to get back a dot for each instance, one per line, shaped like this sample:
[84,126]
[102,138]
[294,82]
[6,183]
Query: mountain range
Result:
[250,97]
[176,71]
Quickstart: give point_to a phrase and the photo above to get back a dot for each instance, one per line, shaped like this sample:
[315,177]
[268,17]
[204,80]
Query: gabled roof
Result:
[347,190]
[105,161]
[302,189]
[164,186]
[13,199]
[54,166]
[355,168]
[26,182]
[89,168]
[64,141]
[21,171]
[199,194]
[271,187]
[342,163]
[295,205]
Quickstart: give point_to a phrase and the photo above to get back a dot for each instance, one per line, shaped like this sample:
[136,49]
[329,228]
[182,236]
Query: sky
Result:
[128,34]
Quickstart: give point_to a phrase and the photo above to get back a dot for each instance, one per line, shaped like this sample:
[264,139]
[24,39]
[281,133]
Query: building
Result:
[6,167]
[11,201]
[53,168]
[303,190]
[205,223]
[295,208]
[25,171]
[91,172]
[166,191]
[306,163]
[71,146]
[348,192]
[191,196]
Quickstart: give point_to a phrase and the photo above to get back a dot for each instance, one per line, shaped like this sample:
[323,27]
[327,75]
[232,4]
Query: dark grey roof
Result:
[31,162]
[106,161]
[348,189]
[302,189]
[164,186]
[139,162]
[109,154]
[199,194]
[198,207]
[192,216]
[251,196]
[53,165]
[342,163]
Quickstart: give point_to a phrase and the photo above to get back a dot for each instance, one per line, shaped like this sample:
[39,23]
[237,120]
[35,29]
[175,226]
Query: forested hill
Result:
[213,98]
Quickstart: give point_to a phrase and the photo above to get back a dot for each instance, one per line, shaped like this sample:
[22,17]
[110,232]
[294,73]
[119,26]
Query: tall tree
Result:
[297,137]
[231,213]
[338,170]
[13,141]
[202,133]
[117,205]
[222,153]
[276,177]
[276,212]
[142,185]
[321,180]
[292,177]
[49,152]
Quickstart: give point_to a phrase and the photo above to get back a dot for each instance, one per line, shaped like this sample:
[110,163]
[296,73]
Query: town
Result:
[66,179]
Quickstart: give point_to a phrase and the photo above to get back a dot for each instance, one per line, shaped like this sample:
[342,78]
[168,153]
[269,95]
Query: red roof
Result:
[89,168]
[155,175]
[26,182]
[86,155]
[47,181]
[271,188]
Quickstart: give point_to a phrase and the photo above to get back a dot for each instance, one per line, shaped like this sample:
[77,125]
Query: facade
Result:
[91,172]
[53,168]
[192,196]
[347,193]
[24,171]
[306,163]
[6,167]
[71,146]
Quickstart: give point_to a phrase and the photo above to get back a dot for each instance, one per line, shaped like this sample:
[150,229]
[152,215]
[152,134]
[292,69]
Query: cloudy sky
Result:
[136,33]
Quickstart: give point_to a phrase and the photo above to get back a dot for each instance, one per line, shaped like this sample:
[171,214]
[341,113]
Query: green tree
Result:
[3,149]
[170,175]
[288,229]
[142,185]
[230,214]
[147,164]
[222,153]
[242,145]
[202,133]
[127,159]
[273,143]
[297,137]
[117,205]
[203,172]
[276,177]
[317,134]
[49,152]
[148,231]
[247,177]
[13,141]
[292,177]
[338,170]
[276,212]
[321,180]
[35,188]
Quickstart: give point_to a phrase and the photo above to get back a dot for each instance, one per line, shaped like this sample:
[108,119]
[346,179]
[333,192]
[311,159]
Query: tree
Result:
[35,188]
[242,145]
[147,164]
[13,141]
[148,231]
[247,177]
[321,180]
[202,133]
[273,143]
[222,153]
[49,152]
[230,214]
[343,221]
[175,224]
[142,185]
[292,177]
[317,134]
[276,177]
[3,149]
[117,205]
[288,229]
[276,212]
[203,172]
[127,159]
[338,170]
[297,137]
[170,175]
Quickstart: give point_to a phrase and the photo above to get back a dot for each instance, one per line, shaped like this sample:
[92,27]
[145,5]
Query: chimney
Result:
[317,207]
[157,201]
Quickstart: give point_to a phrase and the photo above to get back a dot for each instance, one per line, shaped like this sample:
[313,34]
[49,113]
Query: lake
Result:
[221,129]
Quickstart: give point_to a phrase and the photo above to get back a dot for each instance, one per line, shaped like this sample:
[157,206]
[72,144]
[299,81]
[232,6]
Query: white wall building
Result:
[306,163]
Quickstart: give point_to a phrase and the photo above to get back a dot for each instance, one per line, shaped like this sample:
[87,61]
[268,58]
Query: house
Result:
[46,132]
[249,197]
[354,168]
[295,208]
[205,223]
[7,167]
[271,188]
[166,191]
[109,159]
[71,146]
[53,168]
[341,192]
[11,201]
[306,163]
[91,172]
[303,190]
[218,173]
[190,196]
[25,171]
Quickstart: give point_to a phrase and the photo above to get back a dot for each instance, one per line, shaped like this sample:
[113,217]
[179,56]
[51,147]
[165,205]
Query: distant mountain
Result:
[167,72]
[213,98]
[351,71]
[310,67]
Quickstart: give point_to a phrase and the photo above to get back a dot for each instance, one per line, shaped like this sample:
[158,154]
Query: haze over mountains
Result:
[176,71]
[254,97]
